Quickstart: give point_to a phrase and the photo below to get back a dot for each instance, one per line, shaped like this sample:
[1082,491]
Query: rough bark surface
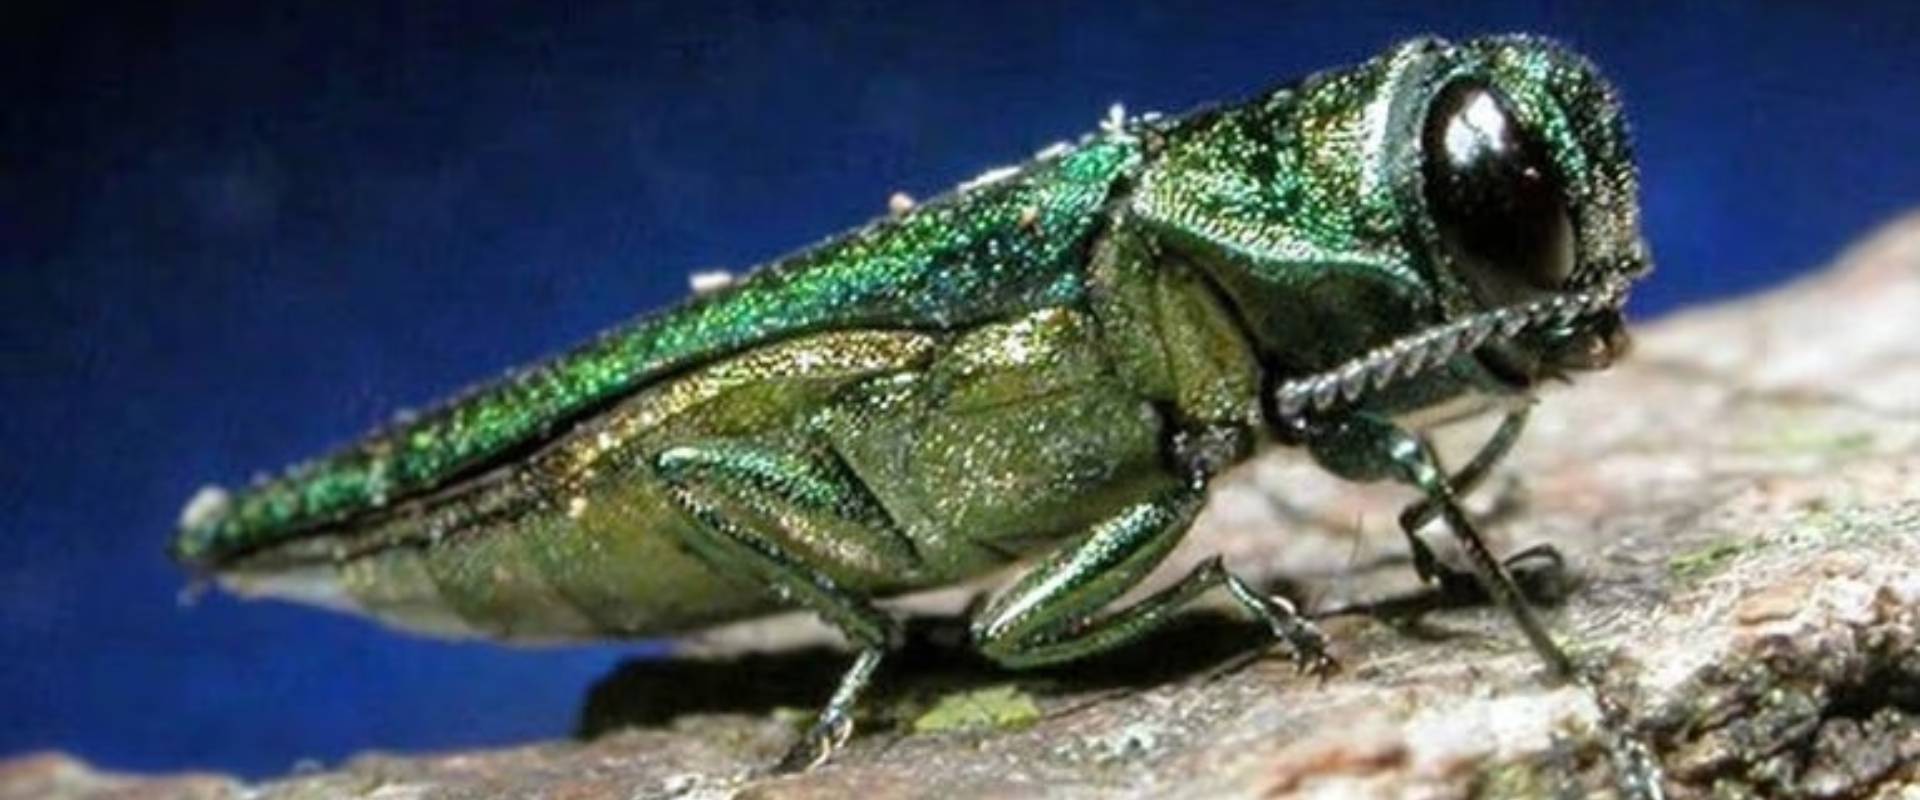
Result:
[1739,505]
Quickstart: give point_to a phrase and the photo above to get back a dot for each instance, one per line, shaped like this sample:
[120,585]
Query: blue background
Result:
[235,233]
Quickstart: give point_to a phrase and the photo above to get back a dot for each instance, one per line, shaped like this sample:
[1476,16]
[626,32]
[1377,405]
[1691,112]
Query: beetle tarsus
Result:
[1303,638]
[1538,570]
[834,726]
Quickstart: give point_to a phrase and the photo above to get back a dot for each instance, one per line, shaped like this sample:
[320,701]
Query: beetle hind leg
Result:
[804,528]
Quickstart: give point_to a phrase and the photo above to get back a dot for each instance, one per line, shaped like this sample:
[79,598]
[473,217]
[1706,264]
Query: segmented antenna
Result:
[1420,352]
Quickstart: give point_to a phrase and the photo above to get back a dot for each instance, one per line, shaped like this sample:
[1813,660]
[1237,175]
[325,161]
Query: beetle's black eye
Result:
[1495,197]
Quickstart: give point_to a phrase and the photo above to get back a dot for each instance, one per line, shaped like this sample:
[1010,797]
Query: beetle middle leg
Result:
[777,516]
[1049,615]
[1364,447]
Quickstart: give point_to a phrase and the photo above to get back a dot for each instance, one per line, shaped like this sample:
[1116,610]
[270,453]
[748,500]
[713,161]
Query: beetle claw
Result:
[1307,645]
[1310,656]
[822,738]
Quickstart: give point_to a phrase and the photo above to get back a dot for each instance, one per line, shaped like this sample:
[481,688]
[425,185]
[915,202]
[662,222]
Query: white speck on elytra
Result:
[710,281]
[1055,150]
[989,177]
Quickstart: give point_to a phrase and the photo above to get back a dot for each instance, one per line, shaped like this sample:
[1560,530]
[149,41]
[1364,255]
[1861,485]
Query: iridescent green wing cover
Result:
[989,250]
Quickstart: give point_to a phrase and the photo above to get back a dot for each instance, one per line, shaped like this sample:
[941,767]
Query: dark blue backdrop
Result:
[234,233]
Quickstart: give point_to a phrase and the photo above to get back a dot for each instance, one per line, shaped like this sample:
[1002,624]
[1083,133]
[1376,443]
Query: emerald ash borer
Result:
[1047,364]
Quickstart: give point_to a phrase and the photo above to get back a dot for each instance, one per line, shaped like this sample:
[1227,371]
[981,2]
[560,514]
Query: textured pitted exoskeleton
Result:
[1048,364]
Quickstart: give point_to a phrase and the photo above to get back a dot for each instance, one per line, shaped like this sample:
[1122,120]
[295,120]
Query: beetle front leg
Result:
[1048,616]
[755,509]
[1463,482]
[1365,448]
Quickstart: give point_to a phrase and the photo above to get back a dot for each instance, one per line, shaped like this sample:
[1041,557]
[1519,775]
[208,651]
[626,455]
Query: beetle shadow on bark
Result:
[936,659]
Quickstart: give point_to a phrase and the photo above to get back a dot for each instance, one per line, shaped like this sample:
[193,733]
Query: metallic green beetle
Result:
[1052,361]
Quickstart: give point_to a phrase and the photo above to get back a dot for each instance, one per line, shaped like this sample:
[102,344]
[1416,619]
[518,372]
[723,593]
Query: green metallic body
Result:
[1015,246]
[975,448]
[1048,364]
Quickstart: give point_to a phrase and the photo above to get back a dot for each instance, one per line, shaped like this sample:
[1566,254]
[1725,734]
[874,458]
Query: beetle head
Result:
[1529,198]
[1471,205]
